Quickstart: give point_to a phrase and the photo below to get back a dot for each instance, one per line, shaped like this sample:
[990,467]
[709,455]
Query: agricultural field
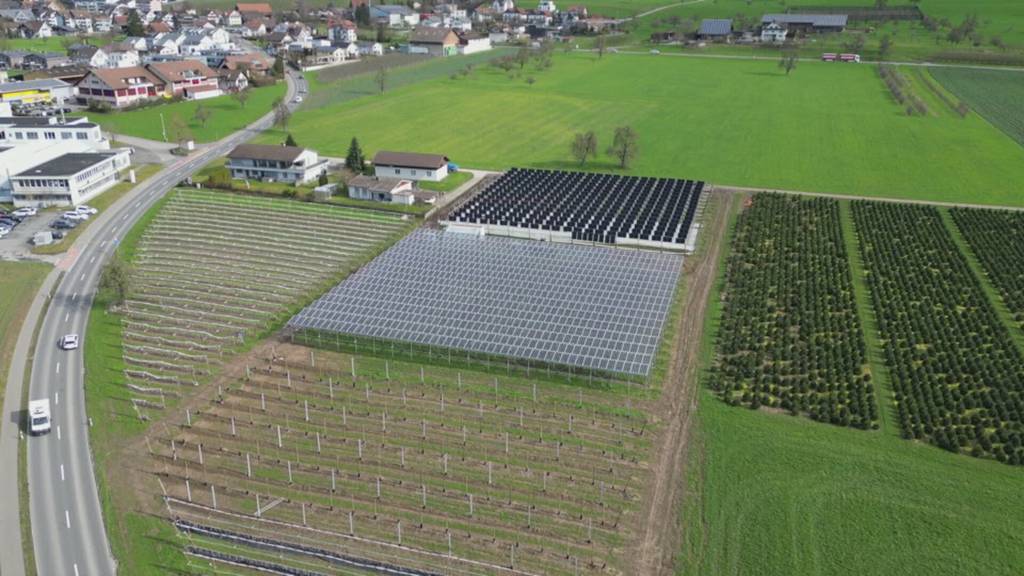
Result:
[957,374]
[426,467]
[995,94]
[18,284]
[826,124]
[204,282]
[227,116]
[997,239]
[790,337]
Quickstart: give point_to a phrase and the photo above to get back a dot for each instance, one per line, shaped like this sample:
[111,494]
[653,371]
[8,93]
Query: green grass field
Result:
[997,95]
[227,116]
[18,284]
[825,128]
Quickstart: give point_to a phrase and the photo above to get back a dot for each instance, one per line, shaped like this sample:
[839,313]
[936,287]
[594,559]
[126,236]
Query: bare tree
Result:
[584,145]
[624,145]
[382,79]
[601,43]
[202,114]
[884,47]
[179,129]
[789,60]
[282,115]
[242,96]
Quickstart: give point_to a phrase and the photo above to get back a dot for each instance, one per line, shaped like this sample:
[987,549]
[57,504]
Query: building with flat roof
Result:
[290,164]
[69,179]
[35,91]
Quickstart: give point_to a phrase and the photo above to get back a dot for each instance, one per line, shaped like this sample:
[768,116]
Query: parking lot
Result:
[16,245]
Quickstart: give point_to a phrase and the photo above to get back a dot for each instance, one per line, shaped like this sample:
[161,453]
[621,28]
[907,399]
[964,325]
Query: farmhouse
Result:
[715,29]
[436,41]
[44,61]
[395,190]
[472,42]
[430,167]
[275,163]
[119,87]
[773,32]
[261,9]
[807,22]
[69,179]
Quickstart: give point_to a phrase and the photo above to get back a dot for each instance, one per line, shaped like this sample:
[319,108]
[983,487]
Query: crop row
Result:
[790,335]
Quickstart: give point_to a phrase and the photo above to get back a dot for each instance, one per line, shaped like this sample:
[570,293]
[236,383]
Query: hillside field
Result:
[824,128]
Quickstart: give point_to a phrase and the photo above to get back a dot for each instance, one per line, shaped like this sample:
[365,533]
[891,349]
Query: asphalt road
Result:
[67,524]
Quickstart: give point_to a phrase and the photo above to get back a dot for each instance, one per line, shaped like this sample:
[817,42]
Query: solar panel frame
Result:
[588,307]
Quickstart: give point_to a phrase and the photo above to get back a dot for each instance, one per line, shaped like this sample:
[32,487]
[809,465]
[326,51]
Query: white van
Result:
[39,417]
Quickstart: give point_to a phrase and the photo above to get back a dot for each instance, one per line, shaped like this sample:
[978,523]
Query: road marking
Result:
[125,217]
[91,260]
[114,229]
[66,316]
[67,518]
[76,569]
[82,277]
[61,472]
[56,398]
[58,367]
[58,432]
[102,244]
[74,296]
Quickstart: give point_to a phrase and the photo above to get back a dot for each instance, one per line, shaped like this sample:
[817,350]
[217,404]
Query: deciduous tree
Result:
[584,145]
[624,145]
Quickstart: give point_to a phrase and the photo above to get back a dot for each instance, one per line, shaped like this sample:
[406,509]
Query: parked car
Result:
[8,222]
[74,215]
[25,212]
[4,231]
[84,209]
[62,224]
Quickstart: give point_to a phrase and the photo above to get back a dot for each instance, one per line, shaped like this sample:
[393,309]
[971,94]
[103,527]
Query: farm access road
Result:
[68,532]
[659,540]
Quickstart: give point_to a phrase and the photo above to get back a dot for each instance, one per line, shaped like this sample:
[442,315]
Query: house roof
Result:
[119,77]
[158,26]
[255,8]
[67,165]
[816,20]
[715,27]
[266,152]
[409,159]
[393,9]
[254,60]
[375,184]
[428,35]
[181,70]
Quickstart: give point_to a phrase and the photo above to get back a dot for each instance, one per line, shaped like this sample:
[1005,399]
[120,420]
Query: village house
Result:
[190,79]
[435,41]
[264,162]
[411,165]
[119,87]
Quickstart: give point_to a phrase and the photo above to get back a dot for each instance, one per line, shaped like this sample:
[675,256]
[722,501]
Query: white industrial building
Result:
[411,165]
[28,142]
[70,178]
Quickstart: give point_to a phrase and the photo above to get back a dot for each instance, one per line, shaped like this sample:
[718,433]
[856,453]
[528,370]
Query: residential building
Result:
[343,33]
[394,15]
[368,49]
[410,165]
[472,42]
[773,32]
[257,63]
[69,179]
[232,80]
[381,189]
[275,163]
[261,9]
[12,59]
[188,78]
[436,41]
[119,87]
[44,60]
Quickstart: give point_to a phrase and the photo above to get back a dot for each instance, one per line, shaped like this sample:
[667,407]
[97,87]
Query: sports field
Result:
[824,128]
[227,116]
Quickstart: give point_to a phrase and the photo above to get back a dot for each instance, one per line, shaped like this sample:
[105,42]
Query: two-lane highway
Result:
[67,524]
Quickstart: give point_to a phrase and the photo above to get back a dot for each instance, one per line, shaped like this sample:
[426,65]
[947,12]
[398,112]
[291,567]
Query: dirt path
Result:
[660,531]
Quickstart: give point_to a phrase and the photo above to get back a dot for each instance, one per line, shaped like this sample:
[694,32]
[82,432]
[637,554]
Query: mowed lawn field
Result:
[18,284]
[227,116]
[784,495]
[824,128]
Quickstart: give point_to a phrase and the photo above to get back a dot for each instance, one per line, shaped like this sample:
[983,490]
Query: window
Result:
[50,135]
[65,135]
[19,136]
[32,135]
[82,135]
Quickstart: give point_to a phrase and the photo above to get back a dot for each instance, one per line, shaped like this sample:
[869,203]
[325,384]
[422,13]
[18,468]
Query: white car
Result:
[297,99]
[23,212]
[4,231]
[68,342]
[83,209]
[74,215]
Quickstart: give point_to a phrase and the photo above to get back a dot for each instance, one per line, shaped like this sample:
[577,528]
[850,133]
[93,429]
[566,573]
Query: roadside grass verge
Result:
[19,282]
[101,203]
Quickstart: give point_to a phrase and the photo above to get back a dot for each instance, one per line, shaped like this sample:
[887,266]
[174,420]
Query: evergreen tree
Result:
[290,141]
[355,160]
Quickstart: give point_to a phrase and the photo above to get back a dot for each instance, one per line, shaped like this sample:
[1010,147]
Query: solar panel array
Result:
[575,305]
[593,207]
